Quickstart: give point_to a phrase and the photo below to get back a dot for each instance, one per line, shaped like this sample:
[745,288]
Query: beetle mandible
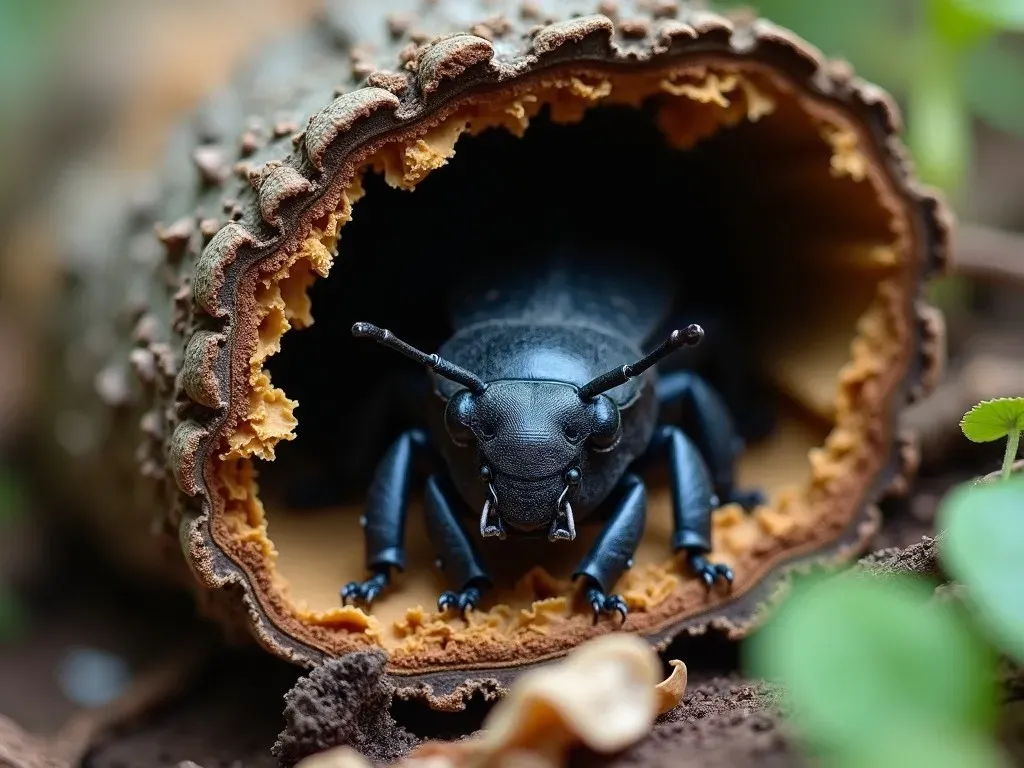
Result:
[541,417]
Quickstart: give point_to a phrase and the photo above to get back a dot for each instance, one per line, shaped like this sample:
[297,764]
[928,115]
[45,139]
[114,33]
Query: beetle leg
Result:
[384,521]
[457,557]
[714,432]
[726,357]
[611,554]
[693,500]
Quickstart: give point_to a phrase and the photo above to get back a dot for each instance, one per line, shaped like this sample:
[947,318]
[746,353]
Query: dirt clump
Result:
[343,702]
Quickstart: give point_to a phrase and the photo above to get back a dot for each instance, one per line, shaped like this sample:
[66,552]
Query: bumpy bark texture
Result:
[175,305]
[921,559]
[344,702]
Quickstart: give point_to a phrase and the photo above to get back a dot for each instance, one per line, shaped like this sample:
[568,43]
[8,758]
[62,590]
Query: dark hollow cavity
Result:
[609,180]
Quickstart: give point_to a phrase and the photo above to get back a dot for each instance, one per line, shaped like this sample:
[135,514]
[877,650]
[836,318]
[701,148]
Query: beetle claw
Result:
[364,591]
[709,572]
[460,601]
[602,603]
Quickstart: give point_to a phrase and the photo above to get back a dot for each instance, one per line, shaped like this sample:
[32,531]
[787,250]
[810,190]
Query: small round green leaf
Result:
[983,547]
[993,419]
[860,658]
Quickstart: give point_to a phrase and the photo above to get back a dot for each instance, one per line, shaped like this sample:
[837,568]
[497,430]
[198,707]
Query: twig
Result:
[20,749]
[84,730]
[936,420]
[1016,469]
[988,254]
[167,679]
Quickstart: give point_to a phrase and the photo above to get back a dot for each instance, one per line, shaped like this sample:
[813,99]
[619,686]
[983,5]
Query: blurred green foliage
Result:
[867,662]
[29,40]
[984,548]
[12,497]
[13,505]
[948,62]
[877,666]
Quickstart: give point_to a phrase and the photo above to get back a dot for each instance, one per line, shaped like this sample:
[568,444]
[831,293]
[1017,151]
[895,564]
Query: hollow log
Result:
[358,162]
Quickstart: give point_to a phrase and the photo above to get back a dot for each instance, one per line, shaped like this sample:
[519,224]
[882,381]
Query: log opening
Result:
[776,210]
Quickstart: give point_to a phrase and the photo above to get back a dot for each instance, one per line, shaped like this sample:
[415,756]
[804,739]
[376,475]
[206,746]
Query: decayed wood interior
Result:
[769,208]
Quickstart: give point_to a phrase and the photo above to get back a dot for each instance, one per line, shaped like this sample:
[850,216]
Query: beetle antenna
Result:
[438,364]
[690,336]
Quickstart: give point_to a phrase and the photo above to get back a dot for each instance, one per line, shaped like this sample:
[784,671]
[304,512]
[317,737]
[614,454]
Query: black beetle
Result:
[540,425]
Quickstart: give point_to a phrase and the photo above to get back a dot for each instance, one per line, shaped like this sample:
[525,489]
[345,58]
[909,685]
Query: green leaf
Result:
[859,656]
[983,547]
[993,419]
[1003,14]
[919,748]
[992,77]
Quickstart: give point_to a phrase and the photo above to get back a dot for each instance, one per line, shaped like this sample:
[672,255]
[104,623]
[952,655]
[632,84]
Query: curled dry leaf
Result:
[672,689]
[604,696]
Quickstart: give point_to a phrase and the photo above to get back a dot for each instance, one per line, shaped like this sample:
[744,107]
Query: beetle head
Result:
[531,438]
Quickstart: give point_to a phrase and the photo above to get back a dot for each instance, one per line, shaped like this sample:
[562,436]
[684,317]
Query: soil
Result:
[233,707]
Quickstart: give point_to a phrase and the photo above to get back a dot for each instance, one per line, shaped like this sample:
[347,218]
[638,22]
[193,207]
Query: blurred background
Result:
[94,86]
[90,89]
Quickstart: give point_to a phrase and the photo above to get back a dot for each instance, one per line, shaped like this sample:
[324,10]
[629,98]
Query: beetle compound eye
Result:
[573,476]
[485,473]
[607,425]
[457,417]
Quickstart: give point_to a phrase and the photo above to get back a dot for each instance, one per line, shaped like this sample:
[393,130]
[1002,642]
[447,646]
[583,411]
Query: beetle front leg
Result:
[692,502]
[611,554]
[714,432]
[384,521]
[457,557]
